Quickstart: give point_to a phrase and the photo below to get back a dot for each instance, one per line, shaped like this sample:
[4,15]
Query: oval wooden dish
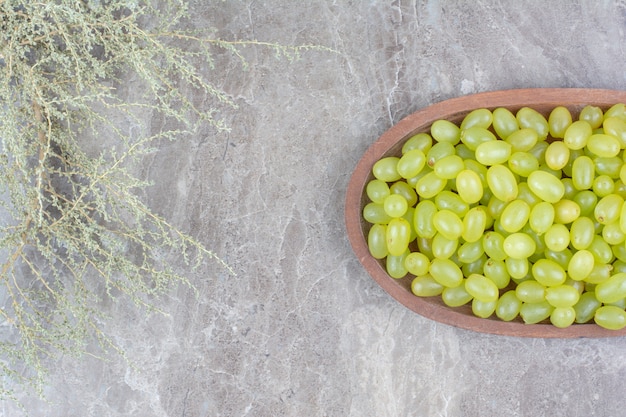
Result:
[390,143]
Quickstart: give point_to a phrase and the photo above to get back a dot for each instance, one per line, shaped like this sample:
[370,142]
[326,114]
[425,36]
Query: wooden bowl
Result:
[390,143]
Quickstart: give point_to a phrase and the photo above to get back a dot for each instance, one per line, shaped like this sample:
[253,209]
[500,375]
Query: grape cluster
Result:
[518,214]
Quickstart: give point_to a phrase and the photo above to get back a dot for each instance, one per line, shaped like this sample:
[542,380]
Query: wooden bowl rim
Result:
[420,121]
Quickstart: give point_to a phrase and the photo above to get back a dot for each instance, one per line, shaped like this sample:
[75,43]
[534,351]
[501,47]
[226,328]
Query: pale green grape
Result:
[411,163]
[445,131]
[523,163]
[603,185]
[612,289]
[519,245]
[456,296]
[580,265]
[577,134]
[566,211]
[546,186]
[424,245]
[526,195]
[395,205]
[470,252]
[495,207]
[483,309]
[426,286]
[530,291]
[377,241]
[474,136]
[447,200]
[582,232]
[493,152]
[423,219]
[377,190]
[515,215]
[448,224]
[539,151]
[417,263]
[375,213]
[475,267]
[562,317]
[603,145]
[610,317]
[556,155]
[532,119]
[446,272]
[610,166]
[398,236]
[522,140]
[592,115]
[508,306]
[612,234]
[481,288]
[533,313]
[437,151]
[586,307]
[587,201]
[502,182]
[430,185]
[608,208]
[443,247]
[474,224]
[421,141]
[558,121]
[517,268]
[615,127]
[496,271]
[548,272]
[395,265]
[464,152]
[469,186]
[504,122]
[385,169]
[617,110]
[493,245]
[561,257]
[478,117]
[599,273]
[541,217]
[449,166]
[557,237]
[562,295]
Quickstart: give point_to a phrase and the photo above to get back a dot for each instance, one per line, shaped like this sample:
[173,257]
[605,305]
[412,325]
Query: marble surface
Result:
[302,330]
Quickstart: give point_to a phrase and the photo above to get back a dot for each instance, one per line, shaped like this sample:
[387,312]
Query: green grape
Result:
[612,289]
[587,201]
[377,241]
[519,245]
[610,166]
[622,218]
[449,166]
[426,286]
[464,152]
[385,169]
[421,141]
[443,247]
[504,122]
[557,155]
[395,205]
[398,236]
[483,309]
[610,317]
[522,140]
[445,131]
[622,173]
[448,224]
[456,296]
[439,150]
[615,127]
[474,224]
[608,208]
[493,244]
[517,268]
[530,291]
[566,211]
[423,219]
[582,232]
[532,119]
[375,213]
[539,151]
[495,207]
[447,200]
[586,307]
[417,263]
[430,185]
[469,186]
[508,306]
[478,117]
[558,121]
[599,273]
[377,190]
[577,134]
[424,245]
[557,237]
[478,168]
[446,272]
[561,257]
[533,313]
[548,272]
[617,110]
[493,152]
[583,173]
[620,303]
[546,186]
[592,115]
[470,252]
[515,215]
[619,251]
[523,163]
[580,265]
[502,183]
[481,288]
[409,216]
[562,295]
[395,265]
[562,317]
[603,185]
[496,271]
[603,145]
[475,267]
[612,234]
[541,217]
[526,195]
[474,136]
[411,163]
[573,154]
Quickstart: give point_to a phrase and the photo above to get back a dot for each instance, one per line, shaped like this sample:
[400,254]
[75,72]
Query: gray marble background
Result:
[302,330]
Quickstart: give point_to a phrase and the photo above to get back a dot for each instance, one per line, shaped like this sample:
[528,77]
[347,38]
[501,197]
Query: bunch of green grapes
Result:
[515,213]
